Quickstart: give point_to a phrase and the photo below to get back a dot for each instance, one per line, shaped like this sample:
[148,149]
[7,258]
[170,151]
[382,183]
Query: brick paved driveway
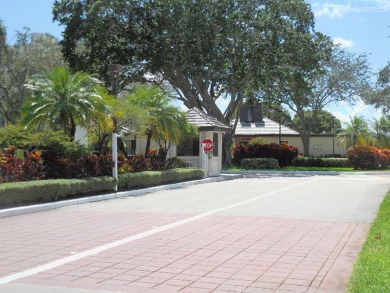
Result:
[259,234]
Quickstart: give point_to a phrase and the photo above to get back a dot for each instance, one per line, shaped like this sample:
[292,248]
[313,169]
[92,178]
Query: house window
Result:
[216,144]
[188,147]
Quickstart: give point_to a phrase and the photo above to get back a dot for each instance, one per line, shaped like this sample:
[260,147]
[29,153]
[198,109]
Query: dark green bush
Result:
[321,162]
[49,190]
[259,164]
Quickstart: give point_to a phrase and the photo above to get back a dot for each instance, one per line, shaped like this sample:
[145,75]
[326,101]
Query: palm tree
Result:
[165,123]
[61,99]
[354,132]
[381,131]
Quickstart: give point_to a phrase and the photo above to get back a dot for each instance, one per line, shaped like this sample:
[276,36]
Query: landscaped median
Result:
[372,269]
[29,192]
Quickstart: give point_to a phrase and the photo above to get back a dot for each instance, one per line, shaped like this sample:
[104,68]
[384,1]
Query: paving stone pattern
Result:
[214,254]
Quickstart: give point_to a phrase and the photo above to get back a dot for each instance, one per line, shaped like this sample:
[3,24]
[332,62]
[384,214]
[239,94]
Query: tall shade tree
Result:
[341,78]
[64,99]
[165,123]
[380,96]
[31,54]
[325,122]
[3,34]
[354,132]
[207,50]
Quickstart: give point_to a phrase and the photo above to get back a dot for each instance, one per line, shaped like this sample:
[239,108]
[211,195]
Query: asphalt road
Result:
[262,233]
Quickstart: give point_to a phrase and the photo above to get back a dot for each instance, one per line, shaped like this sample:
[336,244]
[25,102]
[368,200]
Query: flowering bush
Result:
[283,153]
[138,163]
[50,164]
[369,158]
[13,168]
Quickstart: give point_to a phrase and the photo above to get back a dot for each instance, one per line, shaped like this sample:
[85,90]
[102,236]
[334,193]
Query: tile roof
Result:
[203,120]
[269,127]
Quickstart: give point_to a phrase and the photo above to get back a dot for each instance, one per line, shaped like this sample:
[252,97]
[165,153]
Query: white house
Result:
[252,124]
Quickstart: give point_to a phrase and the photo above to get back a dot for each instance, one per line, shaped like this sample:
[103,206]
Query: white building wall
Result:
[319,146]
[81,135]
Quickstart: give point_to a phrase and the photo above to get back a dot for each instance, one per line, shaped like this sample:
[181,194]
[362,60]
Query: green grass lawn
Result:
[372,269]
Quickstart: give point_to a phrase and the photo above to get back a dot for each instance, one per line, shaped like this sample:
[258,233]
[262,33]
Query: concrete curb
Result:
[64,203]
[276,172]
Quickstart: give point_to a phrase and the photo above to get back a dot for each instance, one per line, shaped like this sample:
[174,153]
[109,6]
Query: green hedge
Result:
[153,178]
[17,193]
[259,163]
[50,190]
[321,162]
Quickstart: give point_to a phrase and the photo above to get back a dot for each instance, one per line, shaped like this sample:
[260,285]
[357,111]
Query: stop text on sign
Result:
[207,145]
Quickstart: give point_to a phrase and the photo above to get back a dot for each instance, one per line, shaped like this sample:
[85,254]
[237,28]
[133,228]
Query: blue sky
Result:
[359,25]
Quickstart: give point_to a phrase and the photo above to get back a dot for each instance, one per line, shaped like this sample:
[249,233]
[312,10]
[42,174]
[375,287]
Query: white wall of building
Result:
[319,145]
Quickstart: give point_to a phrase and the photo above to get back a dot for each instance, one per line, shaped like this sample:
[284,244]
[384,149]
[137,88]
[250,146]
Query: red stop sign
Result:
[207,145]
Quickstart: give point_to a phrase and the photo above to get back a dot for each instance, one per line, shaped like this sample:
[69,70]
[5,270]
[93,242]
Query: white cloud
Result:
[343,111]
[343,42]
[333,10]
[378,5]
[330,10]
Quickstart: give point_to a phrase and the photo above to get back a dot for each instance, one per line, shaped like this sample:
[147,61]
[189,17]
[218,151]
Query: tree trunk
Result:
[148,140]
[226,153]
[72,129]
[305,137]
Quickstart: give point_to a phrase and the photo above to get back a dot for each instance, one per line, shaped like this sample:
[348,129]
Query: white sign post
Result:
[115,154]
[207,146]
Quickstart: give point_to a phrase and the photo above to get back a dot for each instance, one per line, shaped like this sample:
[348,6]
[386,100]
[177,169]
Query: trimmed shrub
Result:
[152,178]
[321,162]
[368,158]
[50,190]
[259,163]
[139,179]
[188,174]
[17,193]
[283,153]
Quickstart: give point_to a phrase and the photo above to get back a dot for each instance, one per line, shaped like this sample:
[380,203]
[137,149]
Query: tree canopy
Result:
[18,63]
[207,50]
[342,78]
[380,95]
[325,123]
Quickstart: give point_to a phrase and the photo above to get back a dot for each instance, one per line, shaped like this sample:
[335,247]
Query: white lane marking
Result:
[117,243]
